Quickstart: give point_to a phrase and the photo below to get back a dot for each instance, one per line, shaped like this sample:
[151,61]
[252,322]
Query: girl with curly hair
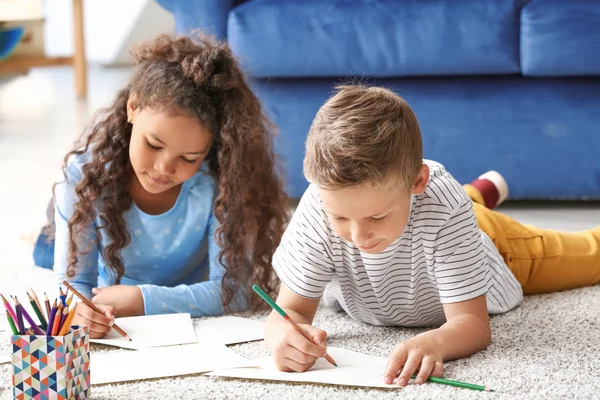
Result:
[171,202]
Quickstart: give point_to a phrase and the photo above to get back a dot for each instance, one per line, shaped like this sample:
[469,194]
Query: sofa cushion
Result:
[379,38]
[560,38]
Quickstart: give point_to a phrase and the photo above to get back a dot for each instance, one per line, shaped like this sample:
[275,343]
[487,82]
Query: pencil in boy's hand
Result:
[9,308]
[37,311]
[457,384]
[93,307]
[285,316]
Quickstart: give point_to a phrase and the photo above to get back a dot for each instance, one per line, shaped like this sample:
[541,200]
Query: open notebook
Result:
[354,369]
[151,331]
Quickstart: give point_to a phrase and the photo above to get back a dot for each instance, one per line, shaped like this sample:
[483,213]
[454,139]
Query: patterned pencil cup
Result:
[51,367]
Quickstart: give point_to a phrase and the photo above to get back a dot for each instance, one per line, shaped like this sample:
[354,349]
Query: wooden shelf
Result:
[20,63]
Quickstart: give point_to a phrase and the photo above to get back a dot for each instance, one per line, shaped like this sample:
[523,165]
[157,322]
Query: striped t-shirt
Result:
[441,257]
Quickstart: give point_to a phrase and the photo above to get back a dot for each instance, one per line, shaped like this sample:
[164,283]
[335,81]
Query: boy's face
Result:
[165,149]
[371,217]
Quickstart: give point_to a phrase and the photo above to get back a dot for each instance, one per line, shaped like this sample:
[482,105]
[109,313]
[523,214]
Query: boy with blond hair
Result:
[393,239]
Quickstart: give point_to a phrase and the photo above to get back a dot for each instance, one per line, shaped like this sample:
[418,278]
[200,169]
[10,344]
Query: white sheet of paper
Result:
[161,362]
[229,330]
[354,369]
[151,331]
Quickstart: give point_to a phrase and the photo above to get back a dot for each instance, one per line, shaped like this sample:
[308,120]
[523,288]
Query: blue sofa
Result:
[510,85]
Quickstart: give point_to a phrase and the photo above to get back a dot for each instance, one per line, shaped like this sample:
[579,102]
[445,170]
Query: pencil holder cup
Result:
[51,367]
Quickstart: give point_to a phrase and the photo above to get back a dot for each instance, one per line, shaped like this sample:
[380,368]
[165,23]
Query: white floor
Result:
[40,117]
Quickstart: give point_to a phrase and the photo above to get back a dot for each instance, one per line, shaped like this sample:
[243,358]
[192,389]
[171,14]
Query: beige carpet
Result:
[549,348]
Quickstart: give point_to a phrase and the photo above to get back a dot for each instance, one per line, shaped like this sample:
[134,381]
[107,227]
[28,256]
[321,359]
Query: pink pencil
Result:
[9,308]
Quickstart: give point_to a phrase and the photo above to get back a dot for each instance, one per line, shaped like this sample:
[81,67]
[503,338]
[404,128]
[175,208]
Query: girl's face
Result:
[166,149]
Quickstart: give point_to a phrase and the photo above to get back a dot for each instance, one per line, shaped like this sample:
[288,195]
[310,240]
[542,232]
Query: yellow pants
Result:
[542,260]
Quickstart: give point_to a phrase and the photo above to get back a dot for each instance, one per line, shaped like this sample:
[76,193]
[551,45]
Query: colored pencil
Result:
[19,320]
[93,307]
[63,317]
[457,384]
[31,322]
[38,312]
[9,308]
[37,301]
[12,325]
[70,299]
[63,297]
[57,318]
[285,316]
[47,304]
[67,324]
[51,319]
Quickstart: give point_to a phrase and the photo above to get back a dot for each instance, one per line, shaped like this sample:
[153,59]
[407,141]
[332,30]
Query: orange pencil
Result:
[67,324]
[57,319]
[93,307]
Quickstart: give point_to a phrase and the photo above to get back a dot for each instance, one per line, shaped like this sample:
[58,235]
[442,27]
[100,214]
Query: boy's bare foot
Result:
[492,187]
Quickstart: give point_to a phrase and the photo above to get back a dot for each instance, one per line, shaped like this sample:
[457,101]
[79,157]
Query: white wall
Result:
[111,27]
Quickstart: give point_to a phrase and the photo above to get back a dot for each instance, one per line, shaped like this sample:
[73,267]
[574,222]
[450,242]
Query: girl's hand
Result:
[292,351]
[126,300]
[98,324]
[415,354]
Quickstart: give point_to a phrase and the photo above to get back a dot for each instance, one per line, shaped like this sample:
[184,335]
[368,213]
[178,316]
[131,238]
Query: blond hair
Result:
[363,135]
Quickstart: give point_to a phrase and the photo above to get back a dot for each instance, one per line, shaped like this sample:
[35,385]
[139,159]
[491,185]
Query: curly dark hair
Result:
[201,79]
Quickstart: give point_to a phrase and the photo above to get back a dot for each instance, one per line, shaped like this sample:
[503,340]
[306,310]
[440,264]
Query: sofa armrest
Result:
[210,16]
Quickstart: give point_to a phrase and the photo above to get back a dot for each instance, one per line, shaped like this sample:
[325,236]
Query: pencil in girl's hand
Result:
[9,308]
[30,321]
[11,322]
[38,312]
[47,304]
[51,319]
[285,316]
[37,301]
[93,307]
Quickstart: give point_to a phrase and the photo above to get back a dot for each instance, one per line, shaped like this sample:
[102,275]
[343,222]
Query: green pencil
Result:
[12,324]
[37,311]
[285,316]
[457,384]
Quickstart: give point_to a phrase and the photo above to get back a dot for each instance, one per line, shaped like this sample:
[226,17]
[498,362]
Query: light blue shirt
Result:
[172,257]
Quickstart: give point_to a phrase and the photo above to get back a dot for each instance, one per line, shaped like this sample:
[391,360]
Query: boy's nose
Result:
[361,235]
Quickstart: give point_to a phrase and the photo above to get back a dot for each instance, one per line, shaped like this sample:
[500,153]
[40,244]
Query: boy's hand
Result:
[418,353]
[98,324]
[292,351]
[126,300]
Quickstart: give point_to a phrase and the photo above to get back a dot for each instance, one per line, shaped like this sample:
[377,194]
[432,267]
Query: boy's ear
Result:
[131,107]
[422,180]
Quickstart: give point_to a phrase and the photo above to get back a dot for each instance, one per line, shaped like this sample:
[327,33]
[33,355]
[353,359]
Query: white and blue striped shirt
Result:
[442,257]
